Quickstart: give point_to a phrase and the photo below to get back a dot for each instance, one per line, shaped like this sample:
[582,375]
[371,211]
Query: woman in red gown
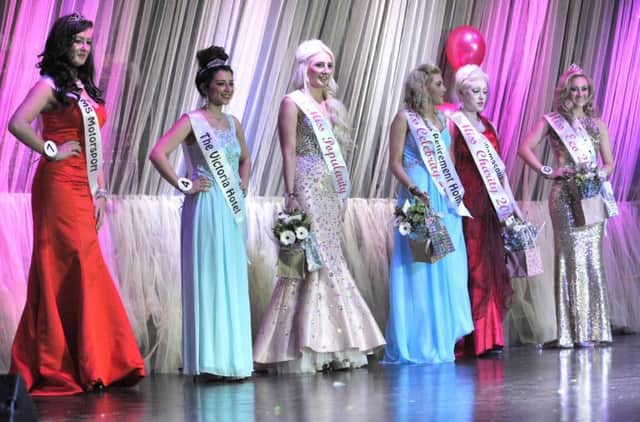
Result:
[74,334]
[489,285]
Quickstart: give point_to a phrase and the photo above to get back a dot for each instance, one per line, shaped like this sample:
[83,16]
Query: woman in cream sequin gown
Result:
[320,322]
[581,298]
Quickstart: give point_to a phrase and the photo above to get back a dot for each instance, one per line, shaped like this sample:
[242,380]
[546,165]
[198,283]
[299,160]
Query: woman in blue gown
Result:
[429,303]
[216,327]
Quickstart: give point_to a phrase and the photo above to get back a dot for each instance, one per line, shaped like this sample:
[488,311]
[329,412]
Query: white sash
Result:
[327,141]
[218,164]
[577,141]
[438,163]
[489,165]
[92,143]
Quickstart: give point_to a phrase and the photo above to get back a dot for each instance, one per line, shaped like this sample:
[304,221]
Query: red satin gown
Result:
[74,331]
[489,286]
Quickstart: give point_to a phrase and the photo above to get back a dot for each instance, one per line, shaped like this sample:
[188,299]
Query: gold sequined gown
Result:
[322,320]
[582,305]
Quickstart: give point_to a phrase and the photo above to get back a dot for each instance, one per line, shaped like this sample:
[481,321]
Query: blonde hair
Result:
[416,95]
[562,96]
[466,74]
[337,111]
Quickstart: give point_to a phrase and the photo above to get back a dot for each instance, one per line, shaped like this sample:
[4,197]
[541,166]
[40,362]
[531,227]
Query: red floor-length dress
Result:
[489,286]
[74,331]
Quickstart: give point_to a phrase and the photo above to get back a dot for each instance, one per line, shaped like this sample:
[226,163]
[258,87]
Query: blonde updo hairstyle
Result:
[562,97]
[416,94]
[466,75]
[338,113]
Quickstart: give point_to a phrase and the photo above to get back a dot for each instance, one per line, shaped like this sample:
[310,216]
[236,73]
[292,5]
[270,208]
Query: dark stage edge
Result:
[526,384]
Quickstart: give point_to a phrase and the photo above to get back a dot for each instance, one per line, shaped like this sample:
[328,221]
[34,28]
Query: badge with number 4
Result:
[184,184]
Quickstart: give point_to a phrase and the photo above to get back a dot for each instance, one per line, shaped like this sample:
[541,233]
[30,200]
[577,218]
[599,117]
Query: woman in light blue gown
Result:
[429,303]
[216,316]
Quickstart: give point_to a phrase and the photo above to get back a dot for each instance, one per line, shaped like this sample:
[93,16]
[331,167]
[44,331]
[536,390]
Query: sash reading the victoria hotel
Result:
[218,165]
[327,141]
[489,165]
[92,143]
[438,163]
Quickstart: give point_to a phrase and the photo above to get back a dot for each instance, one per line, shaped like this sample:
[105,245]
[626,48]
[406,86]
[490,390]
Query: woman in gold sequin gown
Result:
[321,322]
[582,308]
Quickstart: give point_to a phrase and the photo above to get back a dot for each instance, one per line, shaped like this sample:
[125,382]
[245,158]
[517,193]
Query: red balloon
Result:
[447,108]
[465,45]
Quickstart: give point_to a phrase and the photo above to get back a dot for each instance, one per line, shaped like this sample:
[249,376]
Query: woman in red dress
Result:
[74,334]
[489,285]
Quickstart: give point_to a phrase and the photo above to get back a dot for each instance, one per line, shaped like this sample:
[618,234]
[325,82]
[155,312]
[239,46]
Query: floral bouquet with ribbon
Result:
[428,237]
[298,252]
[591,197]
[521,252]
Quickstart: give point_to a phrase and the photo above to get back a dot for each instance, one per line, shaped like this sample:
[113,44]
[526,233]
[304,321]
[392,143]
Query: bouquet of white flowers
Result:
[591,197]
[522,256]
[298,252]
[427,235]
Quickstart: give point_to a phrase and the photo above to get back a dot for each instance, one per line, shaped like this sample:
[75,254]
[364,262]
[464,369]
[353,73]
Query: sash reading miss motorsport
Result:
[328,144]
[576,140]
[438,163]
[92,143]
[489,165]
[218,164]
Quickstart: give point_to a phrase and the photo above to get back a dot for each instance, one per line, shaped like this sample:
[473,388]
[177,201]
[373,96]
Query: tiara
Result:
[75,17]
[574,68]
[213,63]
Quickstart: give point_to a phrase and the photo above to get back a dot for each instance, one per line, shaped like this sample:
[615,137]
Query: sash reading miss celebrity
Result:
[438,163]
[328,144]
[218,164]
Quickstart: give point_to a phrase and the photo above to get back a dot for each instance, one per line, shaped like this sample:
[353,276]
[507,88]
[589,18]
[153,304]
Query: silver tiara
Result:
[215,63]
[75,17]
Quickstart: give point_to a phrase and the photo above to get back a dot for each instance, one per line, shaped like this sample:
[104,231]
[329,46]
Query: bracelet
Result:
[184,184]
[413,190]
[101,193]
[290,194]
[50,150]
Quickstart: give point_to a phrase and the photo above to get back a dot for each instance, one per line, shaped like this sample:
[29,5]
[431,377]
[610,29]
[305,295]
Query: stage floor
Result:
[526,384]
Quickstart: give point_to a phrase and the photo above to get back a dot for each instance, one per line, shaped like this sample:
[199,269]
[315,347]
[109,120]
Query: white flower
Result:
[287,237]
[282,216]
[295,217]
[404,228]
[302,233]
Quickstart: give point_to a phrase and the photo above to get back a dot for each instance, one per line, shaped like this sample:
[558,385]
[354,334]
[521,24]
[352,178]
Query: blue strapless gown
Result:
[215,289]
[429,303]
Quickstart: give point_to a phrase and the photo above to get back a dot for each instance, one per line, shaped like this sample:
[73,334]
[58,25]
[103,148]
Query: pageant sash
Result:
[327,141]
[575,139]
[489,165]
[92,143]
[218,165]
[436,159]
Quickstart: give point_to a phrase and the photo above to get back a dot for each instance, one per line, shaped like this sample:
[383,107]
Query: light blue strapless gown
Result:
[429,303]
[216,314]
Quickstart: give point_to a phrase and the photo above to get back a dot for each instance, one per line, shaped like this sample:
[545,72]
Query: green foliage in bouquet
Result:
[519,235]
[588,182]
[410,218]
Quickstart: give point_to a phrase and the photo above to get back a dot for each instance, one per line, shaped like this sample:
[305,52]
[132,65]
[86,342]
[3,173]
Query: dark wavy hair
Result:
[56,60]
[207,69]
